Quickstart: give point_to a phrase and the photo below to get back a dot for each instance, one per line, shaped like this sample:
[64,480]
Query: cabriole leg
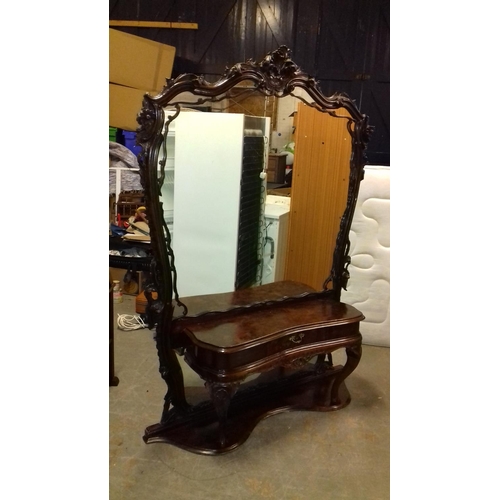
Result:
[353,357]
[221,395]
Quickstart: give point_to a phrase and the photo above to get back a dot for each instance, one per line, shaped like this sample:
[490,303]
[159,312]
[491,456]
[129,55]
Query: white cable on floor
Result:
[130,322]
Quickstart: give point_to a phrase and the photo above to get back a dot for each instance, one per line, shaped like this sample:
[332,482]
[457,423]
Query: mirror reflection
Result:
[249,184]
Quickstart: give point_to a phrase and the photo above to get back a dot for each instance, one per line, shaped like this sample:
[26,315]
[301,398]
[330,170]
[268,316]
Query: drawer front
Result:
[273,162]
[271,175]
[277,350]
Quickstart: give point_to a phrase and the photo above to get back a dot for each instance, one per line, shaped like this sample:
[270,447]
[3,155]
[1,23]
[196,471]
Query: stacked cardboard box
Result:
[136,66]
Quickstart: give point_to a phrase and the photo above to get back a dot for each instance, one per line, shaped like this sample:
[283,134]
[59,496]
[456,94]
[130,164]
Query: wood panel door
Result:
[319,193]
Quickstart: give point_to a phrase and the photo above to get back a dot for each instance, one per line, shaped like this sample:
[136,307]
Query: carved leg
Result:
[323,391]
[353,357]
[221,395]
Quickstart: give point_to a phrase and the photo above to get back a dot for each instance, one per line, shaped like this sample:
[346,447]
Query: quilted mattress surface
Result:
[369,286]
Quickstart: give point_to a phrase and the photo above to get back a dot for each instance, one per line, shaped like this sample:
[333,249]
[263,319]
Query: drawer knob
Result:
[297,339]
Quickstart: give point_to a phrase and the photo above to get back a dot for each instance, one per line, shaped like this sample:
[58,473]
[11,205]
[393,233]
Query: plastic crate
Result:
[129,142]
[113,132]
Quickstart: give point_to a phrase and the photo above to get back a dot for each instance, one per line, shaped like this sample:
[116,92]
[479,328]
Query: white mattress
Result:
[369,286]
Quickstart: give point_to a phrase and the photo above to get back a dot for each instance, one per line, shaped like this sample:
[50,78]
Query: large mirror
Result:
[254,172]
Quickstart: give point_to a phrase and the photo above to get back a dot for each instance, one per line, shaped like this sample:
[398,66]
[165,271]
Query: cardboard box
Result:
[138,62]
[125,103]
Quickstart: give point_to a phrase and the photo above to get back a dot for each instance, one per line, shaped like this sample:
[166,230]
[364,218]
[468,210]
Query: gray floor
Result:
[291,456]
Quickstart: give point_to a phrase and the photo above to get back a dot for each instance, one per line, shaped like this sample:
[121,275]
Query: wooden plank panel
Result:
[306,35]
[217,15]
[318,195]
[279,33]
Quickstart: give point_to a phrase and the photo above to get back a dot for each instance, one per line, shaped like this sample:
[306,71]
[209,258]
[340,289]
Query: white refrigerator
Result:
[214,199]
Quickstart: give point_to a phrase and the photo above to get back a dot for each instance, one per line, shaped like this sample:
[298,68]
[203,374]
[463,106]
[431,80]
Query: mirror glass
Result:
[253,188]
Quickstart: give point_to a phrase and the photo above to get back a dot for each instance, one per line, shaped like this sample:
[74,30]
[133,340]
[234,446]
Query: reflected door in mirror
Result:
[318,195]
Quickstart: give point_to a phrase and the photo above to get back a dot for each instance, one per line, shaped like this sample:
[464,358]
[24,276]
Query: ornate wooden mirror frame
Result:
[191,427]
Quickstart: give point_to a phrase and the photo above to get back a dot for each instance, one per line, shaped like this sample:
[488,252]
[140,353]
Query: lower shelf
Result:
[198,430]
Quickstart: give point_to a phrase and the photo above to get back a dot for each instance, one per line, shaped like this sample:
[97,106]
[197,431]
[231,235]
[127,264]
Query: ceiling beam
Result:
[154,24]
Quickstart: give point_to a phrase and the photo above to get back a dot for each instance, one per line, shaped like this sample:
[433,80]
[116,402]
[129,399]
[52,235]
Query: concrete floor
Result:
[290,456]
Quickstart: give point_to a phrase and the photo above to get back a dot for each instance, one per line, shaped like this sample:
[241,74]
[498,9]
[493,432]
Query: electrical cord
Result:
[130,322]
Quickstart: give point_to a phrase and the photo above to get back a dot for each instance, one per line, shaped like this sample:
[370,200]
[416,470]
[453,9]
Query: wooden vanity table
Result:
[260,350]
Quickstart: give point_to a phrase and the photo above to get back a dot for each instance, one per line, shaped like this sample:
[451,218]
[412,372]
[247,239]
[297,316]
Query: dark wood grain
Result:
[198,429]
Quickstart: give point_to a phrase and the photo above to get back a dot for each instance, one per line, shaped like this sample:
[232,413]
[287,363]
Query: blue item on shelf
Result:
[129,142]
